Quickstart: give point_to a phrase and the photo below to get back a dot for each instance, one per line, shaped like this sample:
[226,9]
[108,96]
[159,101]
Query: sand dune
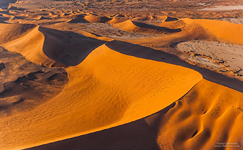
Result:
[108,100]
[77,19]
[224,31]
[172,24]
[209,115]
[10,32]
[110,94]
[96,19]
[115,20]
[29,43]
[142,27]
[44,46]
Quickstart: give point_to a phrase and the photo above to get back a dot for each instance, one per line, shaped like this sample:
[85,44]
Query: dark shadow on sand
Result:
[132,136]
[67,47]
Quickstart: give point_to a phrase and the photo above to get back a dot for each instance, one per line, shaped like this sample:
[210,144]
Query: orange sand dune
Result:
[107,88]
[223,30]
[91,19]
[142,27]
[77,19]
[172,24]
[202,29]
[115,20]
[97,19]
[103,91]
[189,32]
[29,43]
[46,46]
[209,115]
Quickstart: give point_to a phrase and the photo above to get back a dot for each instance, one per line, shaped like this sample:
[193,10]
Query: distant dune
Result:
[44,46]
[142,27]
[222,30]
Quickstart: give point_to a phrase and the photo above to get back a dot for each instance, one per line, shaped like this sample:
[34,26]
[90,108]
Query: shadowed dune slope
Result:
[133,26]
[77,19]
[45,46]
[103,91]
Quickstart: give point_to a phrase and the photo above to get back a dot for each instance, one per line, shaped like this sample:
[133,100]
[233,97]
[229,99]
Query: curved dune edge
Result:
[117,89]
[28,43]
[208,115]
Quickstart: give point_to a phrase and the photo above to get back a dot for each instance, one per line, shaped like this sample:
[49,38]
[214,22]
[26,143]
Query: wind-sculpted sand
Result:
[86,80]
[119,99]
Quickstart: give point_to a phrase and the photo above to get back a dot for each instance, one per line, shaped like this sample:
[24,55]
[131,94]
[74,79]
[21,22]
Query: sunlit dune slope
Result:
[46,46]
[223,30]
[208,116]
[105,90]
